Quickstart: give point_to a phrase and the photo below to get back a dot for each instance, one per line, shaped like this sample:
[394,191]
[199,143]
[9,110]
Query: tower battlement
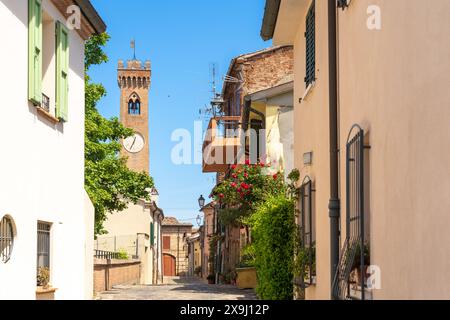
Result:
[134,74]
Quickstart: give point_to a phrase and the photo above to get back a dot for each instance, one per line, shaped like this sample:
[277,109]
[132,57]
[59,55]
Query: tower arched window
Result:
[134,105]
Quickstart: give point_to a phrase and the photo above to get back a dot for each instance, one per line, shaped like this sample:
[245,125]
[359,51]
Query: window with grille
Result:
[43,245]
[307,236]
[6,239]
[310,36]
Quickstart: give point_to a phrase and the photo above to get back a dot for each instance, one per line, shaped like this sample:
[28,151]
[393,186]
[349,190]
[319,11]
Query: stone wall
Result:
[109,273]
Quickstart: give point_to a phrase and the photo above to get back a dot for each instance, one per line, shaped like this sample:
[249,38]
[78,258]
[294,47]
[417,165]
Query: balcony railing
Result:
[100,254]
[222,146]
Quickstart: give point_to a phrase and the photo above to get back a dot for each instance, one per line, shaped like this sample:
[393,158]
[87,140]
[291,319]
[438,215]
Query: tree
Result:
[110,184]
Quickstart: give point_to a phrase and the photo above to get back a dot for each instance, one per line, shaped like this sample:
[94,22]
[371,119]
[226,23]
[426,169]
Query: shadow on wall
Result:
[18,9]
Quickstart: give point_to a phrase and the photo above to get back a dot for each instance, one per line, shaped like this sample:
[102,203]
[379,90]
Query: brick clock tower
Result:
[134,84]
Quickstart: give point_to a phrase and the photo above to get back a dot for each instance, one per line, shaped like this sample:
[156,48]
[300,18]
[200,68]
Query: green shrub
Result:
[273,231]
[122,255]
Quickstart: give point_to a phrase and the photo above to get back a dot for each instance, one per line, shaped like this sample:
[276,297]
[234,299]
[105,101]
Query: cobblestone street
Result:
[178,289]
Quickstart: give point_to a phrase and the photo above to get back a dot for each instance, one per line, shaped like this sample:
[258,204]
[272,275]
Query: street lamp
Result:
[201,201]
[199,220]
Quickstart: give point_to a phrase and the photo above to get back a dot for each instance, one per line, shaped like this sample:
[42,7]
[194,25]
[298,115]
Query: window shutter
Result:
[35,51]
[152,234]
[62,71]
[310,36]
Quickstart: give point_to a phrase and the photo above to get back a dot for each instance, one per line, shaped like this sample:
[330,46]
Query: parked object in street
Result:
[246,278]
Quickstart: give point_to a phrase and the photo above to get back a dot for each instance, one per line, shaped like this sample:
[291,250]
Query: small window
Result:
[134,105]
[166,243]
[6,238]
[43,247]
[310,35]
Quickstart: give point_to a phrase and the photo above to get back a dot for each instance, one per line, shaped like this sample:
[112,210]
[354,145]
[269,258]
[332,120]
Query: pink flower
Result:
[247,161]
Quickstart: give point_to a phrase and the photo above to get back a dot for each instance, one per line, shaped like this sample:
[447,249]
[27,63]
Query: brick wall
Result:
[109,273]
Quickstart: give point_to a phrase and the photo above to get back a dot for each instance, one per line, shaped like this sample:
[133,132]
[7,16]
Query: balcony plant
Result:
[356,265]
[43,277]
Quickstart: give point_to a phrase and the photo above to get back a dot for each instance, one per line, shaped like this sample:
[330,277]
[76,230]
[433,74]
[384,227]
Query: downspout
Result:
[334,202]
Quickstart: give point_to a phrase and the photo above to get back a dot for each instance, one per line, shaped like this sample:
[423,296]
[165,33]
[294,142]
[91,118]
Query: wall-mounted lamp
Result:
[201,201]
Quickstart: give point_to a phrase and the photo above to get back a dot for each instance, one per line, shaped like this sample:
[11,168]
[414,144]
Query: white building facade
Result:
[47,219]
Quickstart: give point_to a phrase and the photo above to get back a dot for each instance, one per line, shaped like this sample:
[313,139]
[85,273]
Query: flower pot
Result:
[246,278]
[45,294]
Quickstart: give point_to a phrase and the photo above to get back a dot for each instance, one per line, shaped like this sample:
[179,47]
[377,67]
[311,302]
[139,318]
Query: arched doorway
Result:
[169,263]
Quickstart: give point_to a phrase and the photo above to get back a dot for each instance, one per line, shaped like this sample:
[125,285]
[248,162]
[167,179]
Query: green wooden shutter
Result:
[62,71]
[152,234]
[35,51]
[310,36]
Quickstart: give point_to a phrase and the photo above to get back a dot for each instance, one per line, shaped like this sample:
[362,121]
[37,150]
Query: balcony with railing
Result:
[222,146]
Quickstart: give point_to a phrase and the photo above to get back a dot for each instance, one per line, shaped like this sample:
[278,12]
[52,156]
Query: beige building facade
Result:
[175,247]
[391,81]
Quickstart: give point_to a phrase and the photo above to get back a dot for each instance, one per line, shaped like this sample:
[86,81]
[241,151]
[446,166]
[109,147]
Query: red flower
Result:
[244,186]
[239,190]
[247,161]
[234,175]
[233,166]
[275,177]
[233,185]
[262,164]
[246,175]
[221,196]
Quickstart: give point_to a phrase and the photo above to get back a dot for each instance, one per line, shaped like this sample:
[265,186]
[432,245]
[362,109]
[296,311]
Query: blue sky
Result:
[181,39]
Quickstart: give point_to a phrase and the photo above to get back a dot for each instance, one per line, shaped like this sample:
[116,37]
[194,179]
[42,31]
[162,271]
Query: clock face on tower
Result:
[134,144]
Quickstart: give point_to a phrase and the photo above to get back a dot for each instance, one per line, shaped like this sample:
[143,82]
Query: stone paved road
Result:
[178,289]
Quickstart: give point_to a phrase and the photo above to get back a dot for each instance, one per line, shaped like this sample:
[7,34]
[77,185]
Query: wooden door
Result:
[169,265]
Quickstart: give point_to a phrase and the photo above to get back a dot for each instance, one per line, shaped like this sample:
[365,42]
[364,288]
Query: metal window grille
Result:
[354,249]
[310,36]
[45,103]
[43,245]
[6,239]
[307,232]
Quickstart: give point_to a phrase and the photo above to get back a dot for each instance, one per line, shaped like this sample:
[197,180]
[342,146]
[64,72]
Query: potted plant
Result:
[211,279]
[246,271]
[356,266]
[44,290]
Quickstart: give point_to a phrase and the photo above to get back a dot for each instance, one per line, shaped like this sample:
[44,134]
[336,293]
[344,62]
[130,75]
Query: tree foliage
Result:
[110,184]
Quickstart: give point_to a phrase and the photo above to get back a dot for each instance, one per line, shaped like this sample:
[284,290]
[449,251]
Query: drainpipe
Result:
[334,202]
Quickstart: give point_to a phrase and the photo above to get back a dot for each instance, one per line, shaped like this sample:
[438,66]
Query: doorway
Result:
[169,263]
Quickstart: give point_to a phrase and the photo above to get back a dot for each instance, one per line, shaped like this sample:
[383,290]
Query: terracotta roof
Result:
[172,221]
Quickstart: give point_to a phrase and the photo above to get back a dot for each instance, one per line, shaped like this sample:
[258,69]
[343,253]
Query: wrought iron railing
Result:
[45,103]
[100,254]
[353,254]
